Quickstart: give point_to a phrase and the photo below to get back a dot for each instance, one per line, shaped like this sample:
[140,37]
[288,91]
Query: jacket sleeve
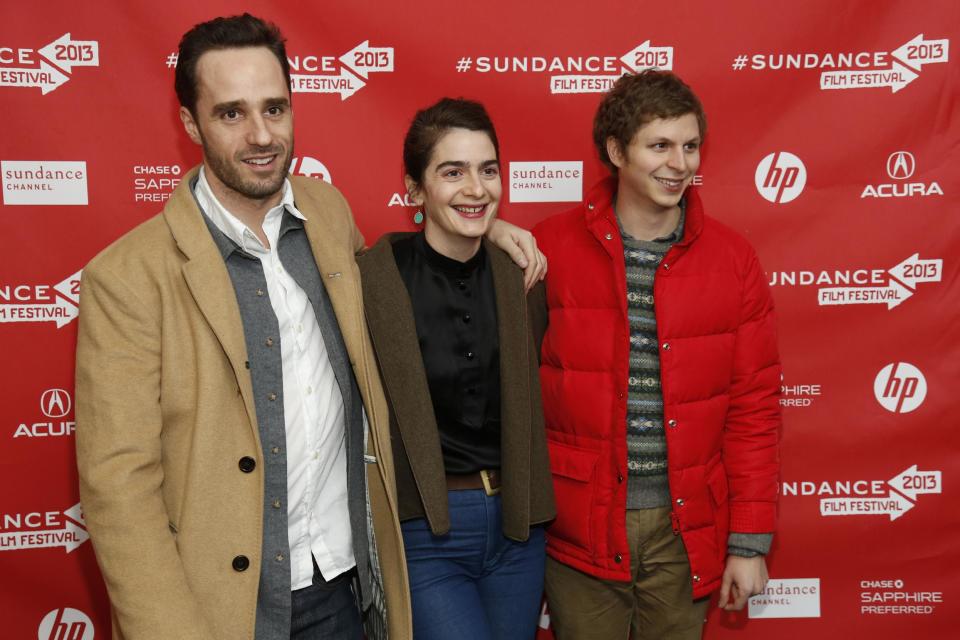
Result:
[118,437]
[751,436]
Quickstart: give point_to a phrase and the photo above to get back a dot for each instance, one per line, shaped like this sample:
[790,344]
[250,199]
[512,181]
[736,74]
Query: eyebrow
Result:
[461,164]
[223,107]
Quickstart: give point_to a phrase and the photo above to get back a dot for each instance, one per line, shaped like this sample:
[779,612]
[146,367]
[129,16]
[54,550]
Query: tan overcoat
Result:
[165,411]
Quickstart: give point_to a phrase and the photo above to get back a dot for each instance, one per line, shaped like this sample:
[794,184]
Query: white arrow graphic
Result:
[644,56]
[918,52]
[68,287]
[67,53]
[912,483]
[46,77]
[75,513]
[891,295]
[345,83]
[70,537]
[68,311]
[913,270]
[364,59]
[893,505]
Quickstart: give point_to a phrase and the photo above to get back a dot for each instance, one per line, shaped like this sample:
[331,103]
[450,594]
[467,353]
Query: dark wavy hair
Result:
[223,33]
[636,100]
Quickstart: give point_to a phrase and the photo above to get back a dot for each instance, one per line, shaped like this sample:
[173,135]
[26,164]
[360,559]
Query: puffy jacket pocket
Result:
[573,481]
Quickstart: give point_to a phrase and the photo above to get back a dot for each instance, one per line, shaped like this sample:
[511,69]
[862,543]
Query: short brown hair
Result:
[636,100]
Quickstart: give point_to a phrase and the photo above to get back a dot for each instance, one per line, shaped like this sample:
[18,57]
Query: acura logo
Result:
[55,403]
[900,165]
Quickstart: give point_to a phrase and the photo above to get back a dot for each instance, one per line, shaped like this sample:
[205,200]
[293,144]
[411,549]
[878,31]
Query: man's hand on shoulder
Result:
[521,246]
[742,578]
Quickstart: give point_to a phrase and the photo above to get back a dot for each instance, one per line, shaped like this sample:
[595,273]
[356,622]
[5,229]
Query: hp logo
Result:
[900,387]
[65,624]
[780,177]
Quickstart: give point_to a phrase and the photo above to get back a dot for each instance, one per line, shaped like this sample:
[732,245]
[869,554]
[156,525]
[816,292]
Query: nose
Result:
[473,186]
[258,133]
[677,160]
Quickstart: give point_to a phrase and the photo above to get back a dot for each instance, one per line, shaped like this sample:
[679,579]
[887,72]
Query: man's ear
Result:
[190,125]
[413,188]
[615,151]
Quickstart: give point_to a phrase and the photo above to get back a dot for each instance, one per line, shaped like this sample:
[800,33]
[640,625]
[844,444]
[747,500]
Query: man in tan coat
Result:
[233,440]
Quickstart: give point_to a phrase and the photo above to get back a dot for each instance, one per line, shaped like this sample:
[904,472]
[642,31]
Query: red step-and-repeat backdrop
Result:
[834,146]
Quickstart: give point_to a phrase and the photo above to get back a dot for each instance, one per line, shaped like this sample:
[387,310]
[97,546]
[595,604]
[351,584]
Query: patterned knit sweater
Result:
[646,441]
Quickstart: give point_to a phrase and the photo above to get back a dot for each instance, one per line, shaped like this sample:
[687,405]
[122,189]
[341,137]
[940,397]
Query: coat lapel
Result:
[515,401]
[394,332]
[206,276]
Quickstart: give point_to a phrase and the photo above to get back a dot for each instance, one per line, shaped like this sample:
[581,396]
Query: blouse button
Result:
[466,318]
[468,355]
[461,285]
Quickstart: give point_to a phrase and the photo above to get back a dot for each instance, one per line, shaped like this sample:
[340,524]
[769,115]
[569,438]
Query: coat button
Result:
[620,478]
[276,503]
[671,422]
[618,558]
[240,563]
[275,450]
[247,464]
[609,236]
[666,346]
[696,578]
[269,342]
[468,355]
[466,318]
[279,557]
[680,501]
[666,266]
[259,292]
[590,206]
[271,397]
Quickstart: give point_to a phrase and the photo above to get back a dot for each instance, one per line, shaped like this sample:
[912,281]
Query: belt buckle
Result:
[487,486]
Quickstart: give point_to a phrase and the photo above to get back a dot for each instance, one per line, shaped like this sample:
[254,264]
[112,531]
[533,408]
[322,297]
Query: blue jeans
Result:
[473,583]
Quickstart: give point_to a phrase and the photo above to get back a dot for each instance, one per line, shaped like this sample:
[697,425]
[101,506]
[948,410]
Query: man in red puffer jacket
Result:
[660,379]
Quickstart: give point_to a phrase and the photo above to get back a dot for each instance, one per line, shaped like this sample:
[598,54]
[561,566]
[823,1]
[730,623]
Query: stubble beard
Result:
[228,172]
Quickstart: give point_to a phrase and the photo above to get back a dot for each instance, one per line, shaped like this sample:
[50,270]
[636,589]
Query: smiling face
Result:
[244,122]
[658,164]
[460,192]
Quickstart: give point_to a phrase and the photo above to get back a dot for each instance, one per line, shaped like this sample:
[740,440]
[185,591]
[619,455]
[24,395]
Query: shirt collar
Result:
[233,228]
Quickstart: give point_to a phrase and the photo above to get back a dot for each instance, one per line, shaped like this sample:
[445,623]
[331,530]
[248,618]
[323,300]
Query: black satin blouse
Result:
[455,310]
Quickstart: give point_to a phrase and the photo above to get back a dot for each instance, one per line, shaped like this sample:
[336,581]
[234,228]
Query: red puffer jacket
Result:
[720,377]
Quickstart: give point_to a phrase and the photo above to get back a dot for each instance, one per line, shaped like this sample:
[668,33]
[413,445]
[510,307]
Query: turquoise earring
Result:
[418,217]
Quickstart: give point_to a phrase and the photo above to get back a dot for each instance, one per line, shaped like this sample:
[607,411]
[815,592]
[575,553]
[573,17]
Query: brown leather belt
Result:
[486,479]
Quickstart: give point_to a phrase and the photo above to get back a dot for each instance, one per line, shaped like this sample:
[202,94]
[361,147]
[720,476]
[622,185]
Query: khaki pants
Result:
[656,605]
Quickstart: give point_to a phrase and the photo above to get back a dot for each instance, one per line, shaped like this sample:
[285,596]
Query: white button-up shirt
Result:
[317,514]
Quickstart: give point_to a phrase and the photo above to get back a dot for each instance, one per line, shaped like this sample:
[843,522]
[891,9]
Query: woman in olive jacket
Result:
[451,325]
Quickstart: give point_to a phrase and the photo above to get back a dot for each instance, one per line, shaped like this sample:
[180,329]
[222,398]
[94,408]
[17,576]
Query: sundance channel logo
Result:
[787,598]
[44,182]
[554,181]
